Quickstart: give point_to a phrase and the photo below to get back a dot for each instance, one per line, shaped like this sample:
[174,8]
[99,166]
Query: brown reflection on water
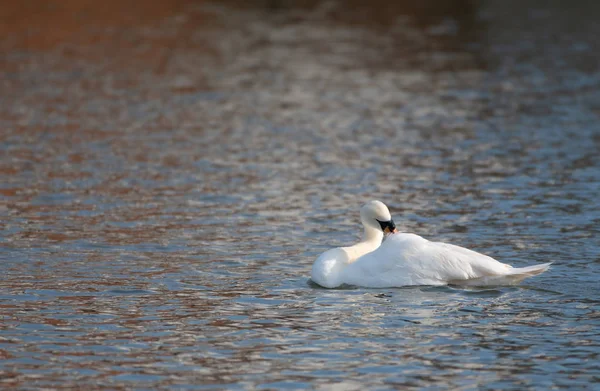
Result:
[42,25]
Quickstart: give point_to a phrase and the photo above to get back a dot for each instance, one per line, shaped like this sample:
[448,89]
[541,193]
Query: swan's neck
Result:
[371,239]
[372,235]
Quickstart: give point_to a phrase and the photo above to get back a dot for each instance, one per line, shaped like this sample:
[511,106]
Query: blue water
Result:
[161,206]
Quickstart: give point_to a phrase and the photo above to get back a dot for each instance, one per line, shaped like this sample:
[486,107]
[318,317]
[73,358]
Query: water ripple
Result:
[162,205]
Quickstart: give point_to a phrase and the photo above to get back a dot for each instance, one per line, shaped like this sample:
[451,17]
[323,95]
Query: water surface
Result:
[170,172]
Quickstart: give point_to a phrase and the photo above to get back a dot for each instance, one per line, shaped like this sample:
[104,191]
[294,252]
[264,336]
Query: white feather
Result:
[408,259]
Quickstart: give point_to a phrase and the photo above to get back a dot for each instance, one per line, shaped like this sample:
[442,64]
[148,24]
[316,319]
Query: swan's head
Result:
[376,215]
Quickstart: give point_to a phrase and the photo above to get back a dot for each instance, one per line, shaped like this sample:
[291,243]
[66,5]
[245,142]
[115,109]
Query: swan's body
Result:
[408,259]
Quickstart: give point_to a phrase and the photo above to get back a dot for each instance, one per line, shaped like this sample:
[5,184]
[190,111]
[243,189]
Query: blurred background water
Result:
[170,170]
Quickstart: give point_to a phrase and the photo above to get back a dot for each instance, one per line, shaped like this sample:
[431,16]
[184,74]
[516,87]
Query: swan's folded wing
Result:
[402,260]
[408,259]
[461,263]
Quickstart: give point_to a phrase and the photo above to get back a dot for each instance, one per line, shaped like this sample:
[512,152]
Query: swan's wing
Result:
[393,264]
[408,259]
[472,263]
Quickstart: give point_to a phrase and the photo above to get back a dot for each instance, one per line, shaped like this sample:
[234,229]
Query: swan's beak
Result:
[390,231]
[388,227]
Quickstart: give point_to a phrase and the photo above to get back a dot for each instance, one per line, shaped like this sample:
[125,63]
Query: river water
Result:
[170,172]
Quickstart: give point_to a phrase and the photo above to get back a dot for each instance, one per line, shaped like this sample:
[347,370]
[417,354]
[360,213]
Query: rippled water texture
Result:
[170,172]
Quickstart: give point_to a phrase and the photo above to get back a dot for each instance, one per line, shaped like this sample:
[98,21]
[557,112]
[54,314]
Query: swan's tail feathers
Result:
[529,271]
[514,276]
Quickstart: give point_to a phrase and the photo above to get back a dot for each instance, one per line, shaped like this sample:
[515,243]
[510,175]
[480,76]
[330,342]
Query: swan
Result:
[405,259]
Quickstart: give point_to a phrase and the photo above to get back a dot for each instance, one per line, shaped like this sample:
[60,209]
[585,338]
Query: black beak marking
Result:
[387,224]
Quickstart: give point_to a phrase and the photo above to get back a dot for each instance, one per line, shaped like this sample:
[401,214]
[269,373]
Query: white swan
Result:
[408,259]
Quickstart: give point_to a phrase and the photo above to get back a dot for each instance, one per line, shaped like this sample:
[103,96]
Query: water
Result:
[170,172]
